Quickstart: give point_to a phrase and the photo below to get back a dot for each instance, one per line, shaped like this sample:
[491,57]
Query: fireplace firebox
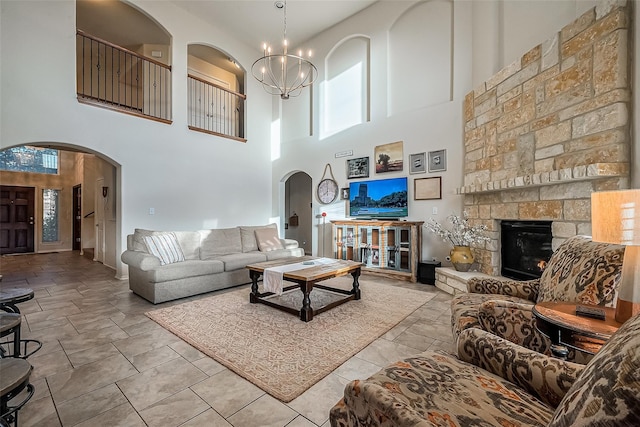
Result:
[526,248]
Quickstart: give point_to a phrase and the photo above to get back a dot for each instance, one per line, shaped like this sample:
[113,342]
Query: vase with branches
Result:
[461,235]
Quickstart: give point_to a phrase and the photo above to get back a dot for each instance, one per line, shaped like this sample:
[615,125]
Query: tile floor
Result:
[103,362]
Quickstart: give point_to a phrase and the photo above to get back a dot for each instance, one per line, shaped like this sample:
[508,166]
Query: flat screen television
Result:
[378,198]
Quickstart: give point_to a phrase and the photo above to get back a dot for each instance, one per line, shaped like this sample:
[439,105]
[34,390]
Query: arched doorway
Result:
[79,201]
[298,214]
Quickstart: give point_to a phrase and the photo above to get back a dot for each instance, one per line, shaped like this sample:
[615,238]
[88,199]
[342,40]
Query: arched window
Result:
[345,91]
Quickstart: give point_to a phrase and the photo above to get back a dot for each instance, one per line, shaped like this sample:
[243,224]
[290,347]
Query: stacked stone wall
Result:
[549,129]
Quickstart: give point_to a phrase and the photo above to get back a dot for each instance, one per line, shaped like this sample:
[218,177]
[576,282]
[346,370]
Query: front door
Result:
[17,218]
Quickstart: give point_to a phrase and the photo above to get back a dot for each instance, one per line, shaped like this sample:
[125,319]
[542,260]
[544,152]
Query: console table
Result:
[558,321]
[390,248]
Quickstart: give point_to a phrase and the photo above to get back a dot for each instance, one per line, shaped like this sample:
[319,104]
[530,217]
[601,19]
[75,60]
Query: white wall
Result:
[192,180]
[421,129]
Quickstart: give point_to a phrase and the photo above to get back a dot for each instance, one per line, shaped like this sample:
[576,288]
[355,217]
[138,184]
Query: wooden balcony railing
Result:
[114,77]
[214,109]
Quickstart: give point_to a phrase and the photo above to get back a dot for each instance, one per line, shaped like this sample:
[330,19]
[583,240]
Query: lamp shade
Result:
[615,218]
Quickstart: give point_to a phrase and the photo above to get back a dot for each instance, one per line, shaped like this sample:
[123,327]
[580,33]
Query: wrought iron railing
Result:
[214,109]
[114,77]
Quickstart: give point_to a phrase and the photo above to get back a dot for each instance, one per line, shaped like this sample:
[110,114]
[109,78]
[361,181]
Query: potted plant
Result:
[461,235]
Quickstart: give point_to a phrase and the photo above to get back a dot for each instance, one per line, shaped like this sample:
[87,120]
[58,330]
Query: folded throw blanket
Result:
[272,276]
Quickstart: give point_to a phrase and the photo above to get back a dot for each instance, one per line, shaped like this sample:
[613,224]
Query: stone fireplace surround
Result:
[549,129]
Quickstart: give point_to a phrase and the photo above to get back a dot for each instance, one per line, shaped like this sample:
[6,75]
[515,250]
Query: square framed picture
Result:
[427,188]
[358,168]
[344,193]
[417,163]
[437,161]
[388,157]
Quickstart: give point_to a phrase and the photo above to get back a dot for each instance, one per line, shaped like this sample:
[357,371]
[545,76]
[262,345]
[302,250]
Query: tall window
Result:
[29,159]
[50,208]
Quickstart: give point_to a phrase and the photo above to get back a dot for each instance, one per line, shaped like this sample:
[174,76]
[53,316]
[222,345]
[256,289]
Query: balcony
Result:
[214,109]
[113,77]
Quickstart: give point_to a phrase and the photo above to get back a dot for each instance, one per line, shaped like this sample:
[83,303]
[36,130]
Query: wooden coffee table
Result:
[306,279]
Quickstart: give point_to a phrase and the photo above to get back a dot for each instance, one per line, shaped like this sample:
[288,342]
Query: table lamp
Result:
[615,218]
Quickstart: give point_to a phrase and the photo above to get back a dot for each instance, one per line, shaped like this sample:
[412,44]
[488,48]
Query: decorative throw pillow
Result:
[268,239]
[164,246]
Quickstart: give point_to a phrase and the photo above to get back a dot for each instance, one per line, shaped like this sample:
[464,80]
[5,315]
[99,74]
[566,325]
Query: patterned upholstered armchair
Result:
[499,383]
[580,270]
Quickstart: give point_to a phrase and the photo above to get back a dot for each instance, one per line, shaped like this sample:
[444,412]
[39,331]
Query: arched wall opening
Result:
[97,204]
[296,210]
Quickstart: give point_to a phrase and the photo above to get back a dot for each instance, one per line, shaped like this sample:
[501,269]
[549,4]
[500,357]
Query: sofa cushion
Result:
[138,239]
[190,243]
[268,239]
[582,271]
[437,389]
[284,253]
[249,243]
[188,268]
[164,246]
[241,260]
[216,242]
[608,391]
[465,307]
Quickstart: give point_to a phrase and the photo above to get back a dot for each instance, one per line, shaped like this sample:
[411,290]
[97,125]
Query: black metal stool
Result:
[14,377]
[9,297]
[10,324]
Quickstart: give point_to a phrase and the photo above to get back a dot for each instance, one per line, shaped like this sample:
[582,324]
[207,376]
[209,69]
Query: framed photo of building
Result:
[358,168]
[417,163]
[437,161]
[388,157]
[427,188]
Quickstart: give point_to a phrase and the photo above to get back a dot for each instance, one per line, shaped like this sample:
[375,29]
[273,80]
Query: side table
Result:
[558,321]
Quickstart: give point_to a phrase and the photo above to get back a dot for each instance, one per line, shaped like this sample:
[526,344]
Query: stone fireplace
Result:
[549,129]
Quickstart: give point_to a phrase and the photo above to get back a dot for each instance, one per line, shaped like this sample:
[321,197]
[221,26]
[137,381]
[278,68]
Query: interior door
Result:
[17,219]
[77,217]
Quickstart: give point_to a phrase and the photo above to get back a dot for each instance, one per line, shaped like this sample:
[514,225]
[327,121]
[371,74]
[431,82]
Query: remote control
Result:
[596,313]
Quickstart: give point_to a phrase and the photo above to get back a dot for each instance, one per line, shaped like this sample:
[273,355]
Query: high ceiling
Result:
[253,22]
[258,21]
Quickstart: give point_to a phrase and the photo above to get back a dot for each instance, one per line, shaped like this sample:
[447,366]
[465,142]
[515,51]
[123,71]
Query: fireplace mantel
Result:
[578,173]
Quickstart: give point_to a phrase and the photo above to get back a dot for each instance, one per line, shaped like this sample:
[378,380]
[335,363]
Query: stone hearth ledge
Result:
[454,282]
[577,173]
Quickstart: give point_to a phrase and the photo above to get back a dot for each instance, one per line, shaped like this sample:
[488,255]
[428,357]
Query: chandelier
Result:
[284,74]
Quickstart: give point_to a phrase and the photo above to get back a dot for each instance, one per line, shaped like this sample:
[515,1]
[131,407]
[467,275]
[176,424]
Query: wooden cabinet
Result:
[389,248]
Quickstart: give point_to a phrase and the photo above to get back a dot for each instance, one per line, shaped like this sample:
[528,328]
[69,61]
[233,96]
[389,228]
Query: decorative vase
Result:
[461,258]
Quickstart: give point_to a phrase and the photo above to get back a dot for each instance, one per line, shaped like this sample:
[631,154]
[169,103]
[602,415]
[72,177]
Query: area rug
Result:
[278,352]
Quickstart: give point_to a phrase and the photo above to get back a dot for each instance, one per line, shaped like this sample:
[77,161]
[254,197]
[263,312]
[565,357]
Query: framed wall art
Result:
[417,163]
[358,168]
[427,188]
[388,157]
[437,161]
[344,193]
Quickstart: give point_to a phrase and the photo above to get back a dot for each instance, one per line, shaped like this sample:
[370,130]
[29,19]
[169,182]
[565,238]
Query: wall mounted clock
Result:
[328,187]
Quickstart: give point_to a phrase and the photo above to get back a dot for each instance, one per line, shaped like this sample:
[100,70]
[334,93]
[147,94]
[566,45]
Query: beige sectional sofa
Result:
[195,262]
